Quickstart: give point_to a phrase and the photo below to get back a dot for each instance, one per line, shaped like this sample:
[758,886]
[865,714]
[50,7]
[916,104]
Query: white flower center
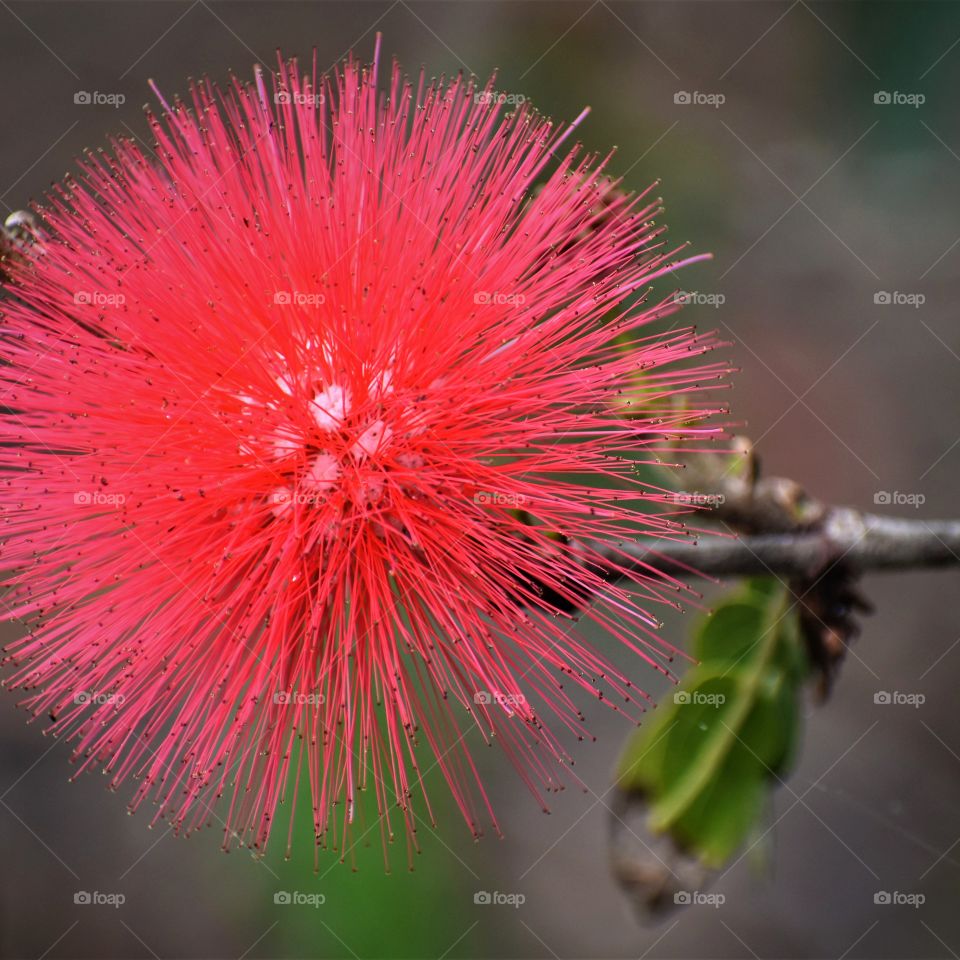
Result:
[330,407]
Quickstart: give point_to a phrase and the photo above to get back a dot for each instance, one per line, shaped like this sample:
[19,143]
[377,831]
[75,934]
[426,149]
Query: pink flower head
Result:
[316,411]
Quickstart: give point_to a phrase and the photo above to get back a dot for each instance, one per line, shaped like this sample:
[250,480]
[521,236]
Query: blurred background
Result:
[814,148]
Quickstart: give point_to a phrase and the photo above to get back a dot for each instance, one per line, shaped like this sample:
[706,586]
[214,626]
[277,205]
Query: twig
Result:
[866,542]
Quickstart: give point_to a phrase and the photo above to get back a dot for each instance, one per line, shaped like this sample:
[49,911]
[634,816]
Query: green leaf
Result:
[723,813]
[723,739]
[730,634]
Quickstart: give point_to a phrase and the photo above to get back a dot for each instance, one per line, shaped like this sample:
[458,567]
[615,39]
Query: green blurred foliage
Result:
[375,902]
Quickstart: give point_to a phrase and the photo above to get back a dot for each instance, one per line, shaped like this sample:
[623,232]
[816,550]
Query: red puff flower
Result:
[313,416]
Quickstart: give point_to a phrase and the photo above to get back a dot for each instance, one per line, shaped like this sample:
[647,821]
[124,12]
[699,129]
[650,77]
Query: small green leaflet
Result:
[706,760]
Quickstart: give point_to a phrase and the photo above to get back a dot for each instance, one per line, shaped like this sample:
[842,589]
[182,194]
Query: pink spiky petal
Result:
[300,404]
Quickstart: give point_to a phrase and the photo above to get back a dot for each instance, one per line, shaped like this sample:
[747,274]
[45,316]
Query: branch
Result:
[864,541]
[769,527]
[772,526]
